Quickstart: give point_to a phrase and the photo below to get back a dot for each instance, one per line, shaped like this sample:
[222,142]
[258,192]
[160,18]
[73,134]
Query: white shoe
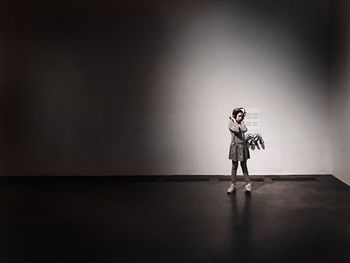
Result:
[248,187]
[231,189]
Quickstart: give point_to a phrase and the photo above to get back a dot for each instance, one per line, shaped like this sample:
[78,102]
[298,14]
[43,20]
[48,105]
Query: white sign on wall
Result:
[253,120]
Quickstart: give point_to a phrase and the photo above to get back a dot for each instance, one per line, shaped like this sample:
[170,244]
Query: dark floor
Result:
[173,219]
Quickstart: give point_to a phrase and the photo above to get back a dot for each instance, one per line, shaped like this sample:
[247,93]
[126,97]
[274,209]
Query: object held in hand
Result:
[253,140]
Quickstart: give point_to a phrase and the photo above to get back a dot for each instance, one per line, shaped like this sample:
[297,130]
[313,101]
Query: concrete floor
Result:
[158,219]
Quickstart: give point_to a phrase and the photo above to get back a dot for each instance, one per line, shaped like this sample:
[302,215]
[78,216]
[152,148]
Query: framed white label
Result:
[253,120]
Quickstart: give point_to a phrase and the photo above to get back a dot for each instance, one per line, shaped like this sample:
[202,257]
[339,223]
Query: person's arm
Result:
[243,127]
[233,126]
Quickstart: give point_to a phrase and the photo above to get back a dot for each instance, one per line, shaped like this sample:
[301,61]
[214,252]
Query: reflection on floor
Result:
[174,219]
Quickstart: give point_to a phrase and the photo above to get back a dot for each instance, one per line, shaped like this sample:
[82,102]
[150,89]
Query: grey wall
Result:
[145,87]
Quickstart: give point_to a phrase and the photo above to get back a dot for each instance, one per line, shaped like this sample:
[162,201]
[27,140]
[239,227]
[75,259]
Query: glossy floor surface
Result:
[108,219]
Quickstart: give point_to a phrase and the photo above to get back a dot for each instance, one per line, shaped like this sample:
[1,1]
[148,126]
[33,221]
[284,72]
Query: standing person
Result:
[239,151]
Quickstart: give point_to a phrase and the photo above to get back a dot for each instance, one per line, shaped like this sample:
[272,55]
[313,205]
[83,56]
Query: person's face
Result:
[240,117]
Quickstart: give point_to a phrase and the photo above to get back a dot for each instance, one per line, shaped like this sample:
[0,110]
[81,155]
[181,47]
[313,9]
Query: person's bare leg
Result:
[248,186]
[234,172]
[245,171]
[233,177]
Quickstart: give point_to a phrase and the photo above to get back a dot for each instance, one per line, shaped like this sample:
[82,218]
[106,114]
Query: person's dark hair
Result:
[236,111]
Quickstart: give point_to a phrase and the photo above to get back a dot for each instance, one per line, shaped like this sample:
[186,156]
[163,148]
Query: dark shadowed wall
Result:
[145,87]
[340,89]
